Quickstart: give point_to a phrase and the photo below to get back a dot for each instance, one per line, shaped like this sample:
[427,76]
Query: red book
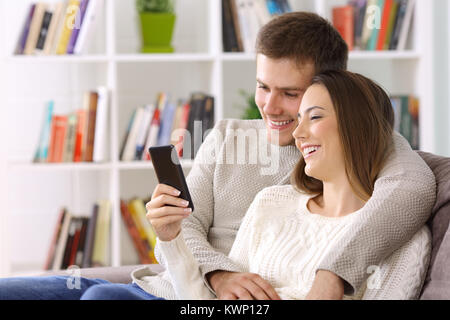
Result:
[384,24]
[76,240]
[343,21]
[81,121]
[183,125]
[57,231]
[57,137]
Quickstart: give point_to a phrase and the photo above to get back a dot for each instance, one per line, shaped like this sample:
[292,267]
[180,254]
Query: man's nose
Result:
[272,105]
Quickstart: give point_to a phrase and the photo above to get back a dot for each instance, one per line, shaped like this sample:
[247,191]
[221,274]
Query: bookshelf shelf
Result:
[133,79]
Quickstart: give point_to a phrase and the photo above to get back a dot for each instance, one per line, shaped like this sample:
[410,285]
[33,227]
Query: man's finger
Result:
[267,287]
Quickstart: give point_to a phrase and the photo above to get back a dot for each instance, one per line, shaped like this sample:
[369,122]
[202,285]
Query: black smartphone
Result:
[168,170]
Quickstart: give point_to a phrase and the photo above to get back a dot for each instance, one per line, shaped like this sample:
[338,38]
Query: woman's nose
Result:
[300,130]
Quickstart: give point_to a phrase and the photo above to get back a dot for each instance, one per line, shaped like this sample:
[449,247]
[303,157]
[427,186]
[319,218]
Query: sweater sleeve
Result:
[401,203]
[196,226]
[183,270]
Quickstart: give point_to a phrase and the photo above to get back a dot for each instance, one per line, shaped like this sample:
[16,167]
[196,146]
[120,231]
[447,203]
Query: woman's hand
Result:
[165,212]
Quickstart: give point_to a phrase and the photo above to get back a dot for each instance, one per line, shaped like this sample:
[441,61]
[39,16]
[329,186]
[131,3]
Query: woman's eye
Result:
[315,117]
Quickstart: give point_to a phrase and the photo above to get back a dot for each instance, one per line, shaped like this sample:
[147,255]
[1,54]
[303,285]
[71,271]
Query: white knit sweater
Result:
[222,192]
[283,242]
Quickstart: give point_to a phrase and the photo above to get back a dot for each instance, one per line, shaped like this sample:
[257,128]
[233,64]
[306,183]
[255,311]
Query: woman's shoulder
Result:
[280,193]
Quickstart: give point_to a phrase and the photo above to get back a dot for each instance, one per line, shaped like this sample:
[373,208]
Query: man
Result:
[290,50]
[225,178]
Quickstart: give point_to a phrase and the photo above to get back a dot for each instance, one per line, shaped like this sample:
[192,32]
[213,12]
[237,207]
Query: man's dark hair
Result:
[304,37]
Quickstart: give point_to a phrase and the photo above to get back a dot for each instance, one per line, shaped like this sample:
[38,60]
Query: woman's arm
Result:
[184,271]
[402,200]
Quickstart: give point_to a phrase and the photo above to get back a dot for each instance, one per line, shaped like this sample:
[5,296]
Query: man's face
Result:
[280,85]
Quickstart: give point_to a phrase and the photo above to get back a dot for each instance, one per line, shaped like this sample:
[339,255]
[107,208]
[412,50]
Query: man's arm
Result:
[402,200]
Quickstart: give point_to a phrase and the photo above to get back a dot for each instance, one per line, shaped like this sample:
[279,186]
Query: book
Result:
[35,28]
[382,34]
[343,21]
[80,135]
[91,122]
[43,144]
[137,209]
[401,11]
[182,128]
[101,125]
[405,27]
[78,26]
[149,110]
[377,14]
[54,240]
[141,245]
[90,238]
[127,133]
[391,23]
[100,252]
[359,9]
[368,23]
[57,137]
[244,24]
[152,138]
[82,241]
[52,29]
[130,146]
[236,25]
[94,7]
[21,43]
[60,247]
[70,22]
[48,13]
[229,40]
[70,243]
[165,129]
[194,131]
[69,141]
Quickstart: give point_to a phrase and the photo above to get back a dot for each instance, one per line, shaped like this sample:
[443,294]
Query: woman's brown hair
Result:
[365,120]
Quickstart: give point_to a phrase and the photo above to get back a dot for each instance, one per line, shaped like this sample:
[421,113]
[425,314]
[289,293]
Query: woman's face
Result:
[317,135]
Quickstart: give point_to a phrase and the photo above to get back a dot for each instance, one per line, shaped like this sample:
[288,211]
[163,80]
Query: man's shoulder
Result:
[230,124]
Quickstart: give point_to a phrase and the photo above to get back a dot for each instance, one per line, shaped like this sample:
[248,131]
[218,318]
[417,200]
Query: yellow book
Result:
[138,212]
[100,252]
[70,19]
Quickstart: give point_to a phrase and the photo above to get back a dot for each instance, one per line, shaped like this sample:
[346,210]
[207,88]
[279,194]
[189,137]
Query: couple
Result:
[357,201]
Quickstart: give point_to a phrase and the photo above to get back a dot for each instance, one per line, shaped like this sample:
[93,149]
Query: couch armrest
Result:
[120,274]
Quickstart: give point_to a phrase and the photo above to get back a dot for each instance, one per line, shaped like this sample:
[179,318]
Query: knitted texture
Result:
[222,188]
[283,242]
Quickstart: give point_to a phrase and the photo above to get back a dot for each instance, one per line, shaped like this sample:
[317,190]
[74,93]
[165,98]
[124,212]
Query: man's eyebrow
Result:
[282,88]
[310,109]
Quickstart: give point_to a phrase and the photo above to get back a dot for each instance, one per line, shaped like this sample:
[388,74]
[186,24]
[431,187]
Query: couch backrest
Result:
[437,282]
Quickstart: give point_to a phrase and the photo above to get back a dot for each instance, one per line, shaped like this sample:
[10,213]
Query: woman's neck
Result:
[337,200]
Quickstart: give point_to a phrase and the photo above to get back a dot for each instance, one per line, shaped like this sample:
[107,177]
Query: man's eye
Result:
[291,95]
[262,87]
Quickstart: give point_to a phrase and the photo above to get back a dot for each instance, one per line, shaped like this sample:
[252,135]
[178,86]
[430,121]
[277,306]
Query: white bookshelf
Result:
[37,191]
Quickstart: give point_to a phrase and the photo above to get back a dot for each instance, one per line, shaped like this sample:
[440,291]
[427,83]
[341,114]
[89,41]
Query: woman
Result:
[345,135]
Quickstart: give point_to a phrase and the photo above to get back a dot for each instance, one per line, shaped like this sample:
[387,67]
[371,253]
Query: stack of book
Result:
[183,124]
[375,24]
[78,136]
[406,111]
[79,240]
[242,19]
[139,229]
[63,27]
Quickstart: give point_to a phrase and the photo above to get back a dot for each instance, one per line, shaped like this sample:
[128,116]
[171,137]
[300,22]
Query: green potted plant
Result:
[157,18]
[251,110]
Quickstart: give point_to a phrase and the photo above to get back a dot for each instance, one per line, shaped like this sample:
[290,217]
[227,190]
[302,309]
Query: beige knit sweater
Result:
[223,185]
[284,243]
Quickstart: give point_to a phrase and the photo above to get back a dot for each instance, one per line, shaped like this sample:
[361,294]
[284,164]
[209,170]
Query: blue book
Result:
[165,130]
[44,140]
[372,44]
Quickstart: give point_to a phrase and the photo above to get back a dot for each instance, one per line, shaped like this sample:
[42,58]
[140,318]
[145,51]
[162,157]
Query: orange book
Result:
[57,137]
[384,24]
[343,21]
[81,120]
[92,115]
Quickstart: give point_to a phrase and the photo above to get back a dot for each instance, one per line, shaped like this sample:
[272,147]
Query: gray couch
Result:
[437,283]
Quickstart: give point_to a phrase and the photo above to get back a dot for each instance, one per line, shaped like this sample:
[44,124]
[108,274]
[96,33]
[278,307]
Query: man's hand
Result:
[326,286]
[240,286]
